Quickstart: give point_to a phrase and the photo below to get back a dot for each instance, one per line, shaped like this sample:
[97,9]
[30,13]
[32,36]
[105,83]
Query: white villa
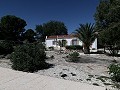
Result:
[51,41]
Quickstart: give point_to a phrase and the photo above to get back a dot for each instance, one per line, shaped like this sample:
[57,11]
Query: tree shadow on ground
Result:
[47,66]
[108,54]
[44,66]
[87,59]
[98,52]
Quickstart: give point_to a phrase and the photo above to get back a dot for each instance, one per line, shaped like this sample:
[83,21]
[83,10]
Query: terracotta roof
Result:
[60,36]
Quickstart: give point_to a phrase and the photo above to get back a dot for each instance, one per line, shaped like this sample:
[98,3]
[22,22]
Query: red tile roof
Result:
[60,36]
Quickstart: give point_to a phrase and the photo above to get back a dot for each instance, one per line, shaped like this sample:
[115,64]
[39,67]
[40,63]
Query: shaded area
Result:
[86,59]
[44,66]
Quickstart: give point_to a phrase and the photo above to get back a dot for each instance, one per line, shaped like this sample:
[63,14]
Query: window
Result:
[54,43]
[74,42]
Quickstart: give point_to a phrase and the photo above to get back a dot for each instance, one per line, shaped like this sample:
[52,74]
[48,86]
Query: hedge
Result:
[74,47]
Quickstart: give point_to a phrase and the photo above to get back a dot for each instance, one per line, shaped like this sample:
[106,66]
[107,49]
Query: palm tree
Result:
[87,34]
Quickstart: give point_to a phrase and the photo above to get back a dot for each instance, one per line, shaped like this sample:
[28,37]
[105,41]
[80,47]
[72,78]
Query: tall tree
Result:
[101,16]
[87,34]
[51,28]
[0,32]
[40,34]
[12,27]
[107,19]
[29,35]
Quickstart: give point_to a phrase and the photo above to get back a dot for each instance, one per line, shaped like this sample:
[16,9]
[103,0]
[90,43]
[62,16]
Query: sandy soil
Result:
[92,69]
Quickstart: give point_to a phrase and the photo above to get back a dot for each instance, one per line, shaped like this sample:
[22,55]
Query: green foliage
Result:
[74,56]
[62,43]
[6,47]
[111,39]
[11,27]
[107,14]
[74,47]
[87,34]
[29,35]
[40,35]
[107,19]
[100,78]
[50,28]
[28,57]
[116,85]
[101,14]
[114,71]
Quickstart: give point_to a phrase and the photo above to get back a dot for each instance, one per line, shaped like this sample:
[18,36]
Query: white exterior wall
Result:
[80,42]
[94,45]
[68,41]
[49,42]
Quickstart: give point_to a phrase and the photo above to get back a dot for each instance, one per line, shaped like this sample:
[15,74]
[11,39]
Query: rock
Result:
[60,73]
[96,84]
[80,79]
[73,74]
[64,75]
[66,69]
[88,79]
[87,70]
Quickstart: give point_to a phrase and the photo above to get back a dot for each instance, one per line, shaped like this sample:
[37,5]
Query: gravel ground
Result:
[90,69]
[5,63]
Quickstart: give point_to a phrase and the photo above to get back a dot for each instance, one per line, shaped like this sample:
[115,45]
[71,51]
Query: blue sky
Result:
[34,12]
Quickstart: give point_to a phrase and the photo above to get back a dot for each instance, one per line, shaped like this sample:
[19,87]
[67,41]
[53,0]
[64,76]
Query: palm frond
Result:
[86,33]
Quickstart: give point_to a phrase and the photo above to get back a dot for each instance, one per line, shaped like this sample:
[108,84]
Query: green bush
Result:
[114,71]
[28,57]
[6,47]
[74,47]
[74,56]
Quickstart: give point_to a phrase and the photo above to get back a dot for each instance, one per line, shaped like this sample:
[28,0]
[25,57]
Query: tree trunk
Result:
[86,50]
[104,50]
[60,49]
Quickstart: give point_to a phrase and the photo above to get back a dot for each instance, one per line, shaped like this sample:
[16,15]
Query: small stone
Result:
[80,79]
[64,69]
[96,84]
[64,75]
[73,74]
[60,73]
[88,79]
